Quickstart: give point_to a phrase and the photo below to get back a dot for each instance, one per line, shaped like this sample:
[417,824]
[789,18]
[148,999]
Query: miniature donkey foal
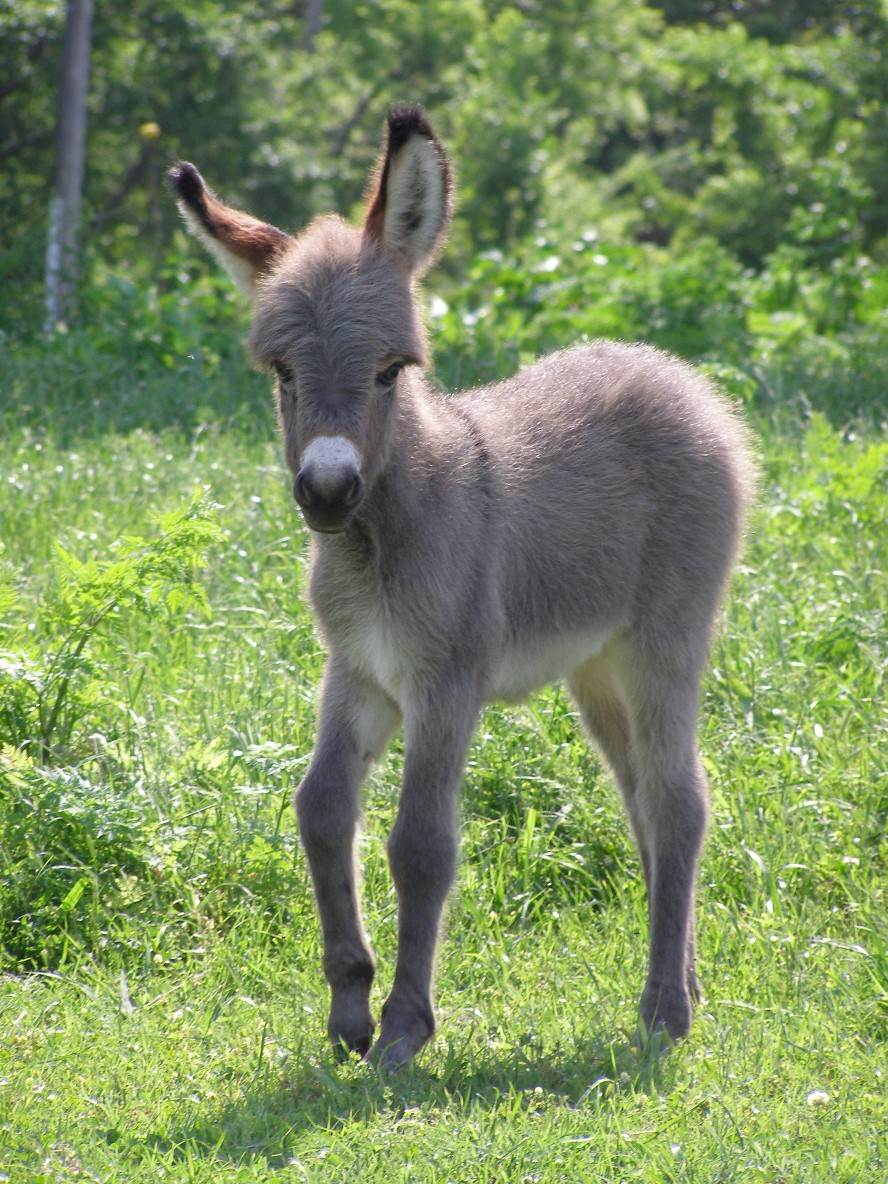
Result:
[577,521]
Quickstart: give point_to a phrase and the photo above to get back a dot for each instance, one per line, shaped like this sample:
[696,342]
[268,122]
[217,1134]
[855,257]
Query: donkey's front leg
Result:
[422,851]
[355,725]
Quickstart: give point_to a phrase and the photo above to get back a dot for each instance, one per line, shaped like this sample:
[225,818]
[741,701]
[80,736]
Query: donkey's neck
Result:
[432,455]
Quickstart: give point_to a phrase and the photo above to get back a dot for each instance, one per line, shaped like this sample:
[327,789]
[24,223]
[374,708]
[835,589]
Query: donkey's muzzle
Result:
[329,487]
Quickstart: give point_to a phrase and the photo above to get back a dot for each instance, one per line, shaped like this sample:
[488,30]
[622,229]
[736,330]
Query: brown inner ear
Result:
[374,220]
[254,241]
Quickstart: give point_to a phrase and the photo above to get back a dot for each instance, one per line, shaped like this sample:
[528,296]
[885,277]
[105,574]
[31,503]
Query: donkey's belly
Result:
[526,666]
[376,647]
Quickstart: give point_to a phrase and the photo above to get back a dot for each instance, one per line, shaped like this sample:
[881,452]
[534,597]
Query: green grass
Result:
[162,1007]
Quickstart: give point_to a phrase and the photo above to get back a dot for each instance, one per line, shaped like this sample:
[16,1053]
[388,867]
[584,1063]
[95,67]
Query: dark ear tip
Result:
[186,182]
[405,120]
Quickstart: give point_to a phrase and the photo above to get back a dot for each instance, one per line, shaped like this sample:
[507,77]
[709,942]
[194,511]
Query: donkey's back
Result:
[577,521]
[608,500]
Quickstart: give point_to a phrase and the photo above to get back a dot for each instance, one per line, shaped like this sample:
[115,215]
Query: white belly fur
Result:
[524,668]
[519,670]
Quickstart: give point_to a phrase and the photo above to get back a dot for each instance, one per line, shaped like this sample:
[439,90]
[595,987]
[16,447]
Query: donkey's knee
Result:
[422,858]
[325,810]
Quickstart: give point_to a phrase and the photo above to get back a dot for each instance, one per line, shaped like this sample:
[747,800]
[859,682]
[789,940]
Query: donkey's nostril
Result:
[328,487]
[308,492]
[302,489]
[355,491]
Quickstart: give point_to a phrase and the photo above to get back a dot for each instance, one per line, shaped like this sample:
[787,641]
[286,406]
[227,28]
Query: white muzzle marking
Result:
[330,460]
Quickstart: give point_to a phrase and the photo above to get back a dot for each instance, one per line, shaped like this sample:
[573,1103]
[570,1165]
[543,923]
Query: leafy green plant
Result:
[550,294]
[185,317]
[70,847]
[47,691]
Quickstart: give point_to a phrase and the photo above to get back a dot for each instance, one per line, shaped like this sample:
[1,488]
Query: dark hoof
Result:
[402,1035]
[355,1046]
[665,1013]
[351,1031]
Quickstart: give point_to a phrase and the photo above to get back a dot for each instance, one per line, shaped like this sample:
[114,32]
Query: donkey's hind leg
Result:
[598,699]
[642,716]
[356,722]
[661,696]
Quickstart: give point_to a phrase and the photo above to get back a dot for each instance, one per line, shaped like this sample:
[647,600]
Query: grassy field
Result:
[162,1007]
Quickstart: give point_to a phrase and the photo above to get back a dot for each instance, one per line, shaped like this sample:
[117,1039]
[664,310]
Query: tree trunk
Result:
[313,17]
[64,210]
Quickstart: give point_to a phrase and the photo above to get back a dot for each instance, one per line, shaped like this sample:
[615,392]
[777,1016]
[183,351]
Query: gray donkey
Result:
[578,521]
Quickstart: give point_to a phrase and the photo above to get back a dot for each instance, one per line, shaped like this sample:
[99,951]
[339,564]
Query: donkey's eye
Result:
[387,377]
[284,373]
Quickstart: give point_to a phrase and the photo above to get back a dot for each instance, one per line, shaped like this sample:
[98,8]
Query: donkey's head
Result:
[335,312]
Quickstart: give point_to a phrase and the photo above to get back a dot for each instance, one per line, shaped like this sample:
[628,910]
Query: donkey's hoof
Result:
[351,1034]
[393,1055]
[400,1038]
[345,1047]
[665,1015]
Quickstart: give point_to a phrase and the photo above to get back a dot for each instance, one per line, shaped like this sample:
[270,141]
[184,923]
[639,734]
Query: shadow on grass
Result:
[279,1111]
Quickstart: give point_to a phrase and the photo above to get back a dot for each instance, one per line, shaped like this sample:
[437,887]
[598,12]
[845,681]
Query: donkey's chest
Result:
[363,628]
[374,646]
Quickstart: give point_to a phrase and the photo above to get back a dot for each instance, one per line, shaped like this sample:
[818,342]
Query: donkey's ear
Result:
[411,202]
[244,246]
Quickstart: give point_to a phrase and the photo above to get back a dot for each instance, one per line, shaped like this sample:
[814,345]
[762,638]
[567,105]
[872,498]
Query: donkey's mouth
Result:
[324,520]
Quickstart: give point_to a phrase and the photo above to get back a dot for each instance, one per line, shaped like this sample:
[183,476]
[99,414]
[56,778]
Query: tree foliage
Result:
[757,124]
